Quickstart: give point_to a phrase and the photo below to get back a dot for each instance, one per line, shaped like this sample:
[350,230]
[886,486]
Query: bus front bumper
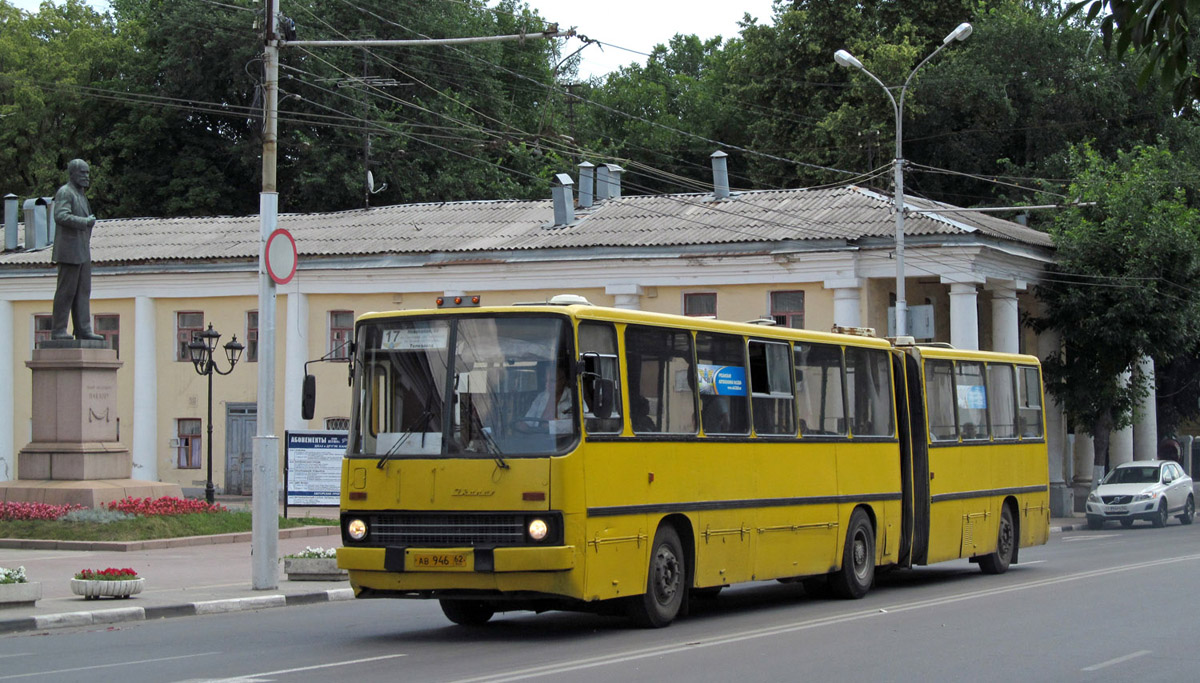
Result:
[457,560]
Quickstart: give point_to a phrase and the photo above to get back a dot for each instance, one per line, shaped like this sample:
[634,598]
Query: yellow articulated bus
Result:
[568,456]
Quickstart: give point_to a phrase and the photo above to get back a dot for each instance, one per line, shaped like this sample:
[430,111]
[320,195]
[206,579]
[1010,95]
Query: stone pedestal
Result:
[75,456]
[1062,499]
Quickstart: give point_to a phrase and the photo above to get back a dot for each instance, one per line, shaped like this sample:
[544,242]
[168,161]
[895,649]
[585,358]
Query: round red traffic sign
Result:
[281,256]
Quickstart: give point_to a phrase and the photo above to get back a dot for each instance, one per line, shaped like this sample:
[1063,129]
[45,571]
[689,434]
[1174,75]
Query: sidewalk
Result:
[187,580]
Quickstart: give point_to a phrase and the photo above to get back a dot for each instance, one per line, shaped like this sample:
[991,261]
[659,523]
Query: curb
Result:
[161,543]
[123,614]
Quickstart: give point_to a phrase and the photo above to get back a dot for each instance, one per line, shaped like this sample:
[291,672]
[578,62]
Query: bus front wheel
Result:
[467,612]
[665,586]
[1006,542]
[857,574]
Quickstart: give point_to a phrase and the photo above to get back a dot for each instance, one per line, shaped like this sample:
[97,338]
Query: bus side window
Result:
[1029,398]
[770,388]
[662,380]
[939,400]
[819,389]
[869,392]
[722,384]
[598,349]
[1002,400]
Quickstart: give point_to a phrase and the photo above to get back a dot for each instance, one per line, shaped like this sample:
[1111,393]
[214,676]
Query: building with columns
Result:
[806,258]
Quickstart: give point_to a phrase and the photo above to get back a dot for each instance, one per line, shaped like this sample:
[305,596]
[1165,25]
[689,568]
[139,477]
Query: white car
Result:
[1152,490]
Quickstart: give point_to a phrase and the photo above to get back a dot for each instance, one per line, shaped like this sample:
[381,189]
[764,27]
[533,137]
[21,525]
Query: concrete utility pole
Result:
[265,505]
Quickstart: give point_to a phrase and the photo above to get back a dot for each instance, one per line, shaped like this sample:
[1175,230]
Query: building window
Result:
[187,325]
[42,326]
[188,454]
[700,303]
[108,325]
[341,424]
[341,326]
[787,308]
[252,336]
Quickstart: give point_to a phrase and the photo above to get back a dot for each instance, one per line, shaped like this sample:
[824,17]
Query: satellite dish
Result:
[371,184]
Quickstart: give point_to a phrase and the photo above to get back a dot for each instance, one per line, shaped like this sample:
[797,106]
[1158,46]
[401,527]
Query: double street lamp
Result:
[201,350]
[844,58]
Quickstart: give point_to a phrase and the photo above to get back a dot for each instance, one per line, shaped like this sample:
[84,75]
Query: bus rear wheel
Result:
[857,574]
[1006,541]
[467,612]
[665,586]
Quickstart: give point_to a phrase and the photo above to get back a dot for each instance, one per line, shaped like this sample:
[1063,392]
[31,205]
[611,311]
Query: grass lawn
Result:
[145,528]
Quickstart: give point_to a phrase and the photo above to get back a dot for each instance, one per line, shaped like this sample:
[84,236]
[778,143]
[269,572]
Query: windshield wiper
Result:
[404,437]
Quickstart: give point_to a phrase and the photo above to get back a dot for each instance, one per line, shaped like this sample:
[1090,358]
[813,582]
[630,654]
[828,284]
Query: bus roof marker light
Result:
[569,300]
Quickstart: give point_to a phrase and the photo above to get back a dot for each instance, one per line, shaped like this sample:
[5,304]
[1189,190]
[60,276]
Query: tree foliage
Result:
[1122,285]
[1159,30]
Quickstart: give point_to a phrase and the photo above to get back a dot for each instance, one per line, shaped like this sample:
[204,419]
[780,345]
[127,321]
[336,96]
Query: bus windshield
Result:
[493,386]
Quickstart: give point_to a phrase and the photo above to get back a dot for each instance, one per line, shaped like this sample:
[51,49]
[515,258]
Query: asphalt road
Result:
[1116,604]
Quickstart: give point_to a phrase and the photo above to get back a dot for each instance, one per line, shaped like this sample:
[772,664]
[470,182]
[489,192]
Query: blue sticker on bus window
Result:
[721,380]
[972,397]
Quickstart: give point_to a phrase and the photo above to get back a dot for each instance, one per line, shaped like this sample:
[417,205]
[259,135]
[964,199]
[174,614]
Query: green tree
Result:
[1160,31]
[1121,287]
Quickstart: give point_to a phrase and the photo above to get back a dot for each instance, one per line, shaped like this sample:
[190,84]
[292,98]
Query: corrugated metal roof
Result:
[843,214]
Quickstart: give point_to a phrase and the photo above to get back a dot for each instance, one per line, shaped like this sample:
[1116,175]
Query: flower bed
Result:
[34,511]
[16,590]
[166,505]
[112,582]
[314,564]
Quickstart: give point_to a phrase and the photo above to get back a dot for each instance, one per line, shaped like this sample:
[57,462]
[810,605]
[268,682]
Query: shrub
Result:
[167,505]
[109,574]
[30,511]
[13,575]
[97,516]
[309,552]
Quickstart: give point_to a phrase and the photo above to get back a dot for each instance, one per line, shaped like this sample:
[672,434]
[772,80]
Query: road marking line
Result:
[1026,564]
[1118,660]
[1072,539]
[314,667]
[661,650]
[108,666]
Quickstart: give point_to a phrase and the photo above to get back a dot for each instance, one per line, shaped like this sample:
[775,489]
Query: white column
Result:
[1145,416]
[1085,455]
[626,296]
[847,301]
[8,435]
[1120,445]
[296,353]
[1006,325]
[964,317]
[145,390]
[1059,457]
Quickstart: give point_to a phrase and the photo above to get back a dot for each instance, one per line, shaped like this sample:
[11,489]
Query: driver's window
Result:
[598,350]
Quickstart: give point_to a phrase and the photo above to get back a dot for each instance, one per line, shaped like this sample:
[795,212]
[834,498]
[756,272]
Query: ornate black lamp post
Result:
[201,349]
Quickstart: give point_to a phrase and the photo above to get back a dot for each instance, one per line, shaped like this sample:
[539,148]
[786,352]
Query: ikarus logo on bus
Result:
[473,492]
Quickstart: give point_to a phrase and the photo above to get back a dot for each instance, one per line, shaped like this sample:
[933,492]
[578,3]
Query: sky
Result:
[636,25]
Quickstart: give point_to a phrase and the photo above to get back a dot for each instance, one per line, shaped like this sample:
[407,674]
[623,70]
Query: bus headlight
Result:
[538,529]
[357,529]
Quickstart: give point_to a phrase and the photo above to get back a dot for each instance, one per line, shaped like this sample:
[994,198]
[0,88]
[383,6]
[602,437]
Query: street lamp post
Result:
[844,58]
[201,350]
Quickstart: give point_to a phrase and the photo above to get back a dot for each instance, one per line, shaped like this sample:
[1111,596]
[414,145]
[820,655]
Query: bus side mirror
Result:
[604,390]
[308,397]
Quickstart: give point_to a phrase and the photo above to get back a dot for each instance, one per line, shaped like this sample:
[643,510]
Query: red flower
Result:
[108,574]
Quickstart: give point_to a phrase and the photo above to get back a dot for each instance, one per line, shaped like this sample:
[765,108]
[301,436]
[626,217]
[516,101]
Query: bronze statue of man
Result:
[72,252]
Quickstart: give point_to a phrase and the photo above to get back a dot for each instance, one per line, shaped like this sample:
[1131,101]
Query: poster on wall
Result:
[312,467]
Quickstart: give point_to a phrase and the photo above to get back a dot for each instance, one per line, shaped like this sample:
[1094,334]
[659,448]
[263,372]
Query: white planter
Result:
[313,569]
[92,590]
[20,594]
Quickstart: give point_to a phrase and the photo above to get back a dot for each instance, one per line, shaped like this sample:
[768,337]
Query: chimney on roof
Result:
[720,175]
[587,184]
[614,180]
[564,202]
[36,225]
[601,182]
[10,222]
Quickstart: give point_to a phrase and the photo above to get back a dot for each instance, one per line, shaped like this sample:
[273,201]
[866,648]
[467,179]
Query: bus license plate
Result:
[430,561]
